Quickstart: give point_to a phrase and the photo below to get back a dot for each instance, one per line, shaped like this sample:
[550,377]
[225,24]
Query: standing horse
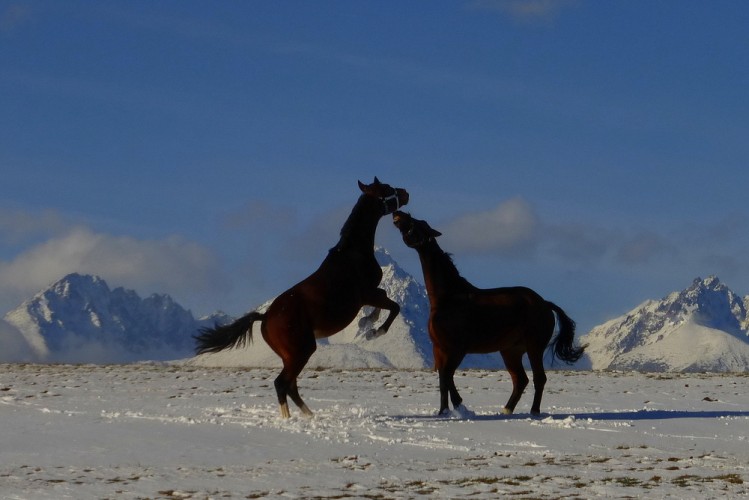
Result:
[465,319]
[325,302]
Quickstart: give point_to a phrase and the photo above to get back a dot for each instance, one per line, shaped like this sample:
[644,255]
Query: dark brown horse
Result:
[464,319]
[325,302]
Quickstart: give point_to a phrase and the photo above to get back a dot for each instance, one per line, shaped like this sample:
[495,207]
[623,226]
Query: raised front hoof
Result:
[373,334]
[506,411]
[370,318]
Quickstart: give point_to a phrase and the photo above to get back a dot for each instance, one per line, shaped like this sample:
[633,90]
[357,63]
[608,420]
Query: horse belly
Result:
[322,304]
[334,317]
[332,311]
[472,330]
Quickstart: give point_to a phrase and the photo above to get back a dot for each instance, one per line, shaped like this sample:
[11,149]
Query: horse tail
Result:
[229,336]
[562,346]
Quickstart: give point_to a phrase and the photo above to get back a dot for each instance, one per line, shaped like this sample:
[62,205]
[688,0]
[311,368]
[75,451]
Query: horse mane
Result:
[353,222]
[449,268]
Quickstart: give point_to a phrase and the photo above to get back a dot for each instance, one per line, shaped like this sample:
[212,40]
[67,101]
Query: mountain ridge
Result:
[79,318]
[701,328]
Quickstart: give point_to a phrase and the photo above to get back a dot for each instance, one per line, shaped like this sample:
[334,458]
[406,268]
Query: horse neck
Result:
[358,231]
[441,277]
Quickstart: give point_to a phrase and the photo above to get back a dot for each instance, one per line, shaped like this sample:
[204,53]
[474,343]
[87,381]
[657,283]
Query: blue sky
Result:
[593,150]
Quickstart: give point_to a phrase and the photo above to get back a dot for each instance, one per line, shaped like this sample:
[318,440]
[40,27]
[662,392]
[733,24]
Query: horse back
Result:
[488,320]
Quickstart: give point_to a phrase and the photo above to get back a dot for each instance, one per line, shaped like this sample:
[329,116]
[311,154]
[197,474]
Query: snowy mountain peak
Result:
[80,319]
[78,283]
[703,327]
[708,303]
[383,256]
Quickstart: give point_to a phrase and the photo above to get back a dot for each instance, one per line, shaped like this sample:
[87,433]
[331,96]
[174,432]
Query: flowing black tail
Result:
[228,336]
[562,345]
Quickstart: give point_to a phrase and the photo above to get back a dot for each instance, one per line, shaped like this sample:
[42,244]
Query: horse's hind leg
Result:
[286,385]
[297,399]
[539,380]
[514,364]
[286,382]
[282,384]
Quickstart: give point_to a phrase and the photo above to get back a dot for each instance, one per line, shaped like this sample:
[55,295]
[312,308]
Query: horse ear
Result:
[362,186]
[434,233]
[377,181]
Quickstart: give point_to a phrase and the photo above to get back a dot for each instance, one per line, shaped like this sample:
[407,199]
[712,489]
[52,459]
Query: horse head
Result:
[415,232]
[391,198]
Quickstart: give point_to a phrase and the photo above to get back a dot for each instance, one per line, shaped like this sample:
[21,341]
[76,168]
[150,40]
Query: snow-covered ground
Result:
[180,431]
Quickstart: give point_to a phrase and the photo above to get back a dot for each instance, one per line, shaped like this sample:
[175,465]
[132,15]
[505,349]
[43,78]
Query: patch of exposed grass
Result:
[628,481]
[688,479]
[683,481]
[730,478]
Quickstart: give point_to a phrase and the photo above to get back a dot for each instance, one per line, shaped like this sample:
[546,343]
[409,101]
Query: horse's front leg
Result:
[380,300]
[445,383]
[446,365]
[447,388]
[369,319]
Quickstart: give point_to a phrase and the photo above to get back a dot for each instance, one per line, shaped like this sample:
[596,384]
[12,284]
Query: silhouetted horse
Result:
[325,302]
[464,319]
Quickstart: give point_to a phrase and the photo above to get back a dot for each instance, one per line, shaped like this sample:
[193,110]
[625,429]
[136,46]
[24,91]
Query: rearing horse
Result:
[325,302]
[465,319]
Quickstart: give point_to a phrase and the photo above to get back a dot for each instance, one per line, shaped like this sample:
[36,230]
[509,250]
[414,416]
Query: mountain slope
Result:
[702,328]
[80,319]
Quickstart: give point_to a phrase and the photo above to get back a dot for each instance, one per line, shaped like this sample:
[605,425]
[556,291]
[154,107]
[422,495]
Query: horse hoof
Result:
[506,411]
[373,334]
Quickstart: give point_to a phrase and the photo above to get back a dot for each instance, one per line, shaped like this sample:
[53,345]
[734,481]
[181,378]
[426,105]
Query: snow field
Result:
[178,431]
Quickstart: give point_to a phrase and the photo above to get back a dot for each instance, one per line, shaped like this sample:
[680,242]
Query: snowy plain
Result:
[174,430]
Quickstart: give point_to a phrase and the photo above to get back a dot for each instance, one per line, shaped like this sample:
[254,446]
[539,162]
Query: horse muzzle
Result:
[394,201]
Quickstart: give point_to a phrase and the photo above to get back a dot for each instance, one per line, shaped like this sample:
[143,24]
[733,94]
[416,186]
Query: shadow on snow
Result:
[605,415]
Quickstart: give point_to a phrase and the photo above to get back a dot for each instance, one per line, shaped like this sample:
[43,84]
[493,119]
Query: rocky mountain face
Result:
[80,319]
[702,328]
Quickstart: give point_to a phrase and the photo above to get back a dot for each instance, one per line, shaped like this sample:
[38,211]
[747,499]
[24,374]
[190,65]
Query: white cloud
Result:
[644,246]
[170,265]
[18,226]
[578,243]
[510,229]
[13,346]
[261,215]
